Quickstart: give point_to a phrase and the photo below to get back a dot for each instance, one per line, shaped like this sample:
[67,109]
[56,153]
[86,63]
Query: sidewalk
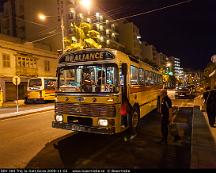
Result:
[203,143]
[13,112]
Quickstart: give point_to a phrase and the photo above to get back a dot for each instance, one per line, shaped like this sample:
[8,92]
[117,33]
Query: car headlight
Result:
[59,118]
[102,122]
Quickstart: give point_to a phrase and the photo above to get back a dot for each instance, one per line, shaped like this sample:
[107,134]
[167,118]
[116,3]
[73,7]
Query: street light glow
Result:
[168,64]
[86,3]
[42,17]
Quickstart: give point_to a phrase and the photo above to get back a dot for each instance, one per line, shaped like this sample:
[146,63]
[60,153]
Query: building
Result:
[147,51]
[25,61]
[130,37]
[20,19]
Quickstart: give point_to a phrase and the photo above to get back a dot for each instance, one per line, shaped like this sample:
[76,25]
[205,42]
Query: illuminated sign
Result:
[85,56]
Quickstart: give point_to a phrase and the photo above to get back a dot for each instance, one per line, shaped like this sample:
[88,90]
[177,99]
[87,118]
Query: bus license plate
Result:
[77,128]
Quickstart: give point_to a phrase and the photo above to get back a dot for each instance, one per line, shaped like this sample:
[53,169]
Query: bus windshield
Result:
[88,78]
[35,83]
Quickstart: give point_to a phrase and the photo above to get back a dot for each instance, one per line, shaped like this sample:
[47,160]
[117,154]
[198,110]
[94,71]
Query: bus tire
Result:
[27,101]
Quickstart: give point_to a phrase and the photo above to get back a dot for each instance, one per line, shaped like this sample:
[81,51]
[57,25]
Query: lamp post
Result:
[62,32]
[84,3]
[43,18]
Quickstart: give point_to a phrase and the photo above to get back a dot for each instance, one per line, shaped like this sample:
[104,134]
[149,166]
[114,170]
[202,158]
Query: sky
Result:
[186,30]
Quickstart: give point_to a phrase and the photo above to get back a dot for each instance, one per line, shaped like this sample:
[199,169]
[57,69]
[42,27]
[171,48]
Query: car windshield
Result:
[35,82]
[88,78]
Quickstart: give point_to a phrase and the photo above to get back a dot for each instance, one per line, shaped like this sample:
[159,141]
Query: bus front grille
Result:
[85,109]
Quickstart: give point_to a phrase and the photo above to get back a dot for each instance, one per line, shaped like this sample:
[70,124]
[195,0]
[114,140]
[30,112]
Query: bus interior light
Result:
[102,122]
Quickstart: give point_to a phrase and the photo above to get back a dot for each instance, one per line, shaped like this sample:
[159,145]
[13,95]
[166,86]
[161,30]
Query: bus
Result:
[41,90]
[93,86]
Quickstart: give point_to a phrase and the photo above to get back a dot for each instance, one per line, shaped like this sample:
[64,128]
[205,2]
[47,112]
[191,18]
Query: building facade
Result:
[25,61]
[129,36]
[22,20]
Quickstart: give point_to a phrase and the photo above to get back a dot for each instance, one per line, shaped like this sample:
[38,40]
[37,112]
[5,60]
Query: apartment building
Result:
[130,37]
[147,51]
[20,19]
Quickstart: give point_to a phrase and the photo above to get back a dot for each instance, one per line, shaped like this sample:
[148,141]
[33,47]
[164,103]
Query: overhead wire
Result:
[134,15]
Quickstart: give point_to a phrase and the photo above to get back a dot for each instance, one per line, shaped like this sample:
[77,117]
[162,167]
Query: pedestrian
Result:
[209,97]
[126,113]
[166,112]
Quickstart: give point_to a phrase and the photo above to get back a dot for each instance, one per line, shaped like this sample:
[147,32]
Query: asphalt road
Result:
[30,142]
[21,138]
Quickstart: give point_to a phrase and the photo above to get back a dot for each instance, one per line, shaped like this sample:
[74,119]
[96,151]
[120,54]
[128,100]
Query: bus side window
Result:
[141,77]
[146,78]
[134,75]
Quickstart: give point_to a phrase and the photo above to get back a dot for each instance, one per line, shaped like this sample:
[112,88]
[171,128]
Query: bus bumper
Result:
[81,128]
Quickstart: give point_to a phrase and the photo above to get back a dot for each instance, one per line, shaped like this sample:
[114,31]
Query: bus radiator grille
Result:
[86,109]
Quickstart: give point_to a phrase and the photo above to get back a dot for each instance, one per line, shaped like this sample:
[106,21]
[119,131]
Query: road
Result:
[23,137]
[30,142]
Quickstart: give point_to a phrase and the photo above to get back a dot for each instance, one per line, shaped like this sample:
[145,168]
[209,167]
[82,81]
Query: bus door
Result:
[123,81]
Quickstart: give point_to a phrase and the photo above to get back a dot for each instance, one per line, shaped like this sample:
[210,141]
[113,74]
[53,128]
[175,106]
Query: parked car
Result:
[184,92]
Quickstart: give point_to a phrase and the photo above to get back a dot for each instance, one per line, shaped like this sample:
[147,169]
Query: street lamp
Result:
[85,3]
[168,64]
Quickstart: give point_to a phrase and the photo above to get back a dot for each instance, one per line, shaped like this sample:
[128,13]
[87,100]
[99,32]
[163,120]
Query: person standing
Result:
[209,100]
[166,111]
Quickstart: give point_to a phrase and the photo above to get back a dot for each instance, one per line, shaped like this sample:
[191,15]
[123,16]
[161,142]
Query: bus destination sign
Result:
[86,56]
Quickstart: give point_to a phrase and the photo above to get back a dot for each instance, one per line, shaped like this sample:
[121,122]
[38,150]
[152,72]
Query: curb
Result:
[26,112]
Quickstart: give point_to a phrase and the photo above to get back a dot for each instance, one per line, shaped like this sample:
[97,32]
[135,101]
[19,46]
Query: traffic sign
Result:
[16,80]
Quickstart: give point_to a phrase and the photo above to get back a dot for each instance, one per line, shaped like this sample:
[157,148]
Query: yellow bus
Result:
[40,90]
[92,86]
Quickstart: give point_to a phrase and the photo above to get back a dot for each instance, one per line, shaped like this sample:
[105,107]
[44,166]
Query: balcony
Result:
[27,72]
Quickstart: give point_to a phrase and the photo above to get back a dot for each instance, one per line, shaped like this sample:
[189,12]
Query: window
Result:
[141,77]
[47,65]
[6,60]
[134,75]
[89,78]
[26,62]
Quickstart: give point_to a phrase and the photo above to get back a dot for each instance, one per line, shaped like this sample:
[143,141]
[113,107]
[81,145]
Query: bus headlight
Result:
[59,118]
[102,122]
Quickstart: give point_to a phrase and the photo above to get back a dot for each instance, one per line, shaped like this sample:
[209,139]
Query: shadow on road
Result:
[84,150]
